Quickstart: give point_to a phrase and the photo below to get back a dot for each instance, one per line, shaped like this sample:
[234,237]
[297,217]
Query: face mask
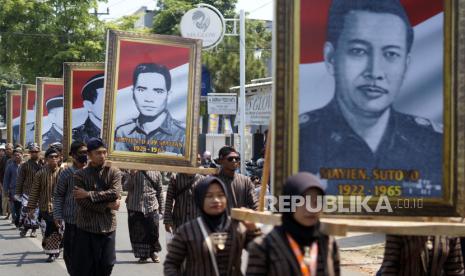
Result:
[81,159]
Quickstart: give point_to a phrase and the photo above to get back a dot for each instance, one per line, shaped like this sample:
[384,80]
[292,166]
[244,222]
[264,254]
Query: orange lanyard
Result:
[308,261]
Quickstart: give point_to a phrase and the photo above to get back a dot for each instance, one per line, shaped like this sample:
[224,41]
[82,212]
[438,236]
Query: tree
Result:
[10,79]
[38,36]
[223,61]
[170,12]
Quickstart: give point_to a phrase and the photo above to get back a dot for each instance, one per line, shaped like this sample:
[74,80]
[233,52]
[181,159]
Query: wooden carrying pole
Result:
[260,216]
[162,168]
[266,173]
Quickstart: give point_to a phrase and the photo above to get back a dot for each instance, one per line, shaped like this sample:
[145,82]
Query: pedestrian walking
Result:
[64,205]
[97,193]
[9,184]
[241,190]
[45,181]
[144,203]
[3,163]
[26,175]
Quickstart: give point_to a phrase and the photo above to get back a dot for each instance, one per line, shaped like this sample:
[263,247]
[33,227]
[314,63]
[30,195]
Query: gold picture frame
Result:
[24,103]
[286,109]
[69,68]
[143,159]
[9,115]
[40,83]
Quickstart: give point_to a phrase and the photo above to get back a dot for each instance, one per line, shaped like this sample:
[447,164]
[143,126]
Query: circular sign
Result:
[203,23]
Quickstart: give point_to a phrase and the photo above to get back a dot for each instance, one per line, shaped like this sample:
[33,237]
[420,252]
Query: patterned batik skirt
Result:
[52,241]
[144,233]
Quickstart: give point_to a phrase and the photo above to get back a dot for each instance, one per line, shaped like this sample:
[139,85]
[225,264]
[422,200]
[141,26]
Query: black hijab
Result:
[218,223]
[297,185]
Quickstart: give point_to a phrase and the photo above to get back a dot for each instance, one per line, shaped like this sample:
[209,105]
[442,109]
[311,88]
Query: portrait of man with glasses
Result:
[154,130]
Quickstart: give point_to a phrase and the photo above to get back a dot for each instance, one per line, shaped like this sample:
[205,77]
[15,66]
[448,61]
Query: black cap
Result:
[51,150]
[88,92]
[57,145]
[54,102]
[33,147]
[95,143]
[18,149]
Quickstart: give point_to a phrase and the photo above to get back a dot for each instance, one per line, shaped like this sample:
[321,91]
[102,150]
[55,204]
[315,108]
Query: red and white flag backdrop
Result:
[79,79]
[422,90]
[30,115]
[16,118]
[16,107]
[134,53]
[50,91]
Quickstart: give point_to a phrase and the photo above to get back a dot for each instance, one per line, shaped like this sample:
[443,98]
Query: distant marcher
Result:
[144,203]
[297,247]
[42,195]
[64,205]
[26,175]
[241,190]
[3,162]
[9,184]
[211,244]
[206,160]
[2,155]
[97,192]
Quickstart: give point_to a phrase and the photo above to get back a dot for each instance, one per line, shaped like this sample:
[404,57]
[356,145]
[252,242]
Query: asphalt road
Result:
[24,256]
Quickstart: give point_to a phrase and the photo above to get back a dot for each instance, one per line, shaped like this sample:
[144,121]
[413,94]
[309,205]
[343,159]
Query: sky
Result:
[258,9]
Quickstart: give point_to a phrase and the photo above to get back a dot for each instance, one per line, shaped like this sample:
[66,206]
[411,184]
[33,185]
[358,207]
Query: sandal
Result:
[155,258]
[142,260]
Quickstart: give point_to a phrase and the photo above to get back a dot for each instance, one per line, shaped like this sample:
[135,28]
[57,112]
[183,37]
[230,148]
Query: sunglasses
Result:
[234,159]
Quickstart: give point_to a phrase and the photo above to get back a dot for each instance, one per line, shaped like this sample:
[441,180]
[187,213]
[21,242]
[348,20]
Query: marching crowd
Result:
[75,207]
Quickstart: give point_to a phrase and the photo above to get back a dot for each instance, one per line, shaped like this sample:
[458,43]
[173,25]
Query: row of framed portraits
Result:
[368,95]
[143,102]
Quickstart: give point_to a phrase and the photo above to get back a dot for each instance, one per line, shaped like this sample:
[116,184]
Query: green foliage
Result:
[38,36]
[10,79]
[223,61]
[170,12]
[125,23]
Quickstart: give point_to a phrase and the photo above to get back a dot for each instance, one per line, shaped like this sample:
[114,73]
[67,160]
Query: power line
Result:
[262,6]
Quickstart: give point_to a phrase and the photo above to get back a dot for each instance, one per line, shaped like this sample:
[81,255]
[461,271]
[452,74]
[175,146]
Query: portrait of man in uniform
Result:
[92,95]
[30,115]
[154,130]
[55,119]
[16,117]
[368,52]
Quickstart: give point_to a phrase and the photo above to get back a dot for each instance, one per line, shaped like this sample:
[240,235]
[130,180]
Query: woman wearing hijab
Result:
[211,244]
[297,247]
